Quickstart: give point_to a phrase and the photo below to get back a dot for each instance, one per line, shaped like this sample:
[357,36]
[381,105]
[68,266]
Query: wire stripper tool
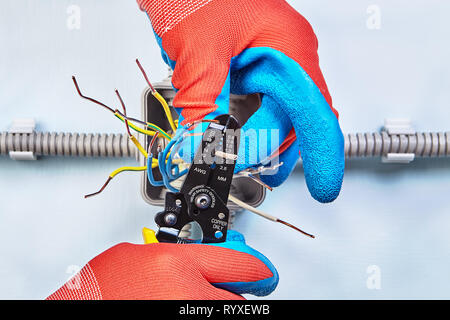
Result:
[204,193]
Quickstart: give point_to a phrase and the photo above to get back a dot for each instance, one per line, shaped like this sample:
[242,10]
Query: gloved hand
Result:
[173,272]
[254,46]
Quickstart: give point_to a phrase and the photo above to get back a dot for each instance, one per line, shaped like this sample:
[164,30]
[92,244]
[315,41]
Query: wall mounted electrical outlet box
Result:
[242,107]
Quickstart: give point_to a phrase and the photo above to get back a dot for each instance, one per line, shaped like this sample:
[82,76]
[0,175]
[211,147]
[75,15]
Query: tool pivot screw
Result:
[170,219]
[202,201]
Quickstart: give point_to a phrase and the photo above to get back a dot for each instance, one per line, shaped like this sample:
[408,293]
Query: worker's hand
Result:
[173,271]
[254,46]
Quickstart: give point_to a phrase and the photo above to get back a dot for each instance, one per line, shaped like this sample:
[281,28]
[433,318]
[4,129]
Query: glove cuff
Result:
[83,286]
[166,14]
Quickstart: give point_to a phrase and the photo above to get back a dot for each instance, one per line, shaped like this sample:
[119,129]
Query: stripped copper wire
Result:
[295,228]
[104,105]
[260,182]
[145,76]
[152,142]
[124,112]
[154,139]
[192,125]
[101,189]
[115,173]
[88,98]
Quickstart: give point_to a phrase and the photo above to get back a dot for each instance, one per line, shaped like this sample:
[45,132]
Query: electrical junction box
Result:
[241,107]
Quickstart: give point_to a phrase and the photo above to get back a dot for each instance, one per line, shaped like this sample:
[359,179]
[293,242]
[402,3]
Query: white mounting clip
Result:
[398,127]
[22,126]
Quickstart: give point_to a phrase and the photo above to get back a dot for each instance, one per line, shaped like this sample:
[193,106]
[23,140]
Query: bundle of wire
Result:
[168,165]
[151,130]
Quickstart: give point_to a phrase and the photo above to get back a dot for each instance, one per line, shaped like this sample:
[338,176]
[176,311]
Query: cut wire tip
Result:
[295,228]
[260,182]
[124,112]
[99,191]
[145,76]
[88,98]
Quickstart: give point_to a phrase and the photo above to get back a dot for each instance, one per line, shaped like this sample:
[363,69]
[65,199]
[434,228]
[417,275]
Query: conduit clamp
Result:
[20,127]
[398,129]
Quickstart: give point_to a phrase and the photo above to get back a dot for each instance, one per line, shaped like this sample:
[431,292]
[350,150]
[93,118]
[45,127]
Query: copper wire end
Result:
[88,98]
[295,228]
[145,76]
[152,142]
[209,121]
[260,182]
[194,124]
[124,112]
[101,189]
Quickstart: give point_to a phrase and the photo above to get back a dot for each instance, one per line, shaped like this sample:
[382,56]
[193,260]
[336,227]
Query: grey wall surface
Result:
[390,221]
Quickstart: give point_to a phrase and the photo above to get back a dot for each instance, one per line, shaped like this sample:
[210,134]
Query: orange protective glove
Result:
[173,271]
[218,47]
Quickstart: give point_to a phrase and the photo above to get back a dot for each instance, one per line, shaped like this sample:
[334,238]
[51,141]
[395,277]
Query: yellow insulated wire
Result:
[139,146]
[122,169]
[159,98]
[127,125]
[166,109]
[116,172]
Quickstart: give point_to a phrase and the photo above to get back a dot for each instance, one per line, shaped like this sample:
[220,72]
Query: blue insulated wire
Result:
[166,181]
[150,177]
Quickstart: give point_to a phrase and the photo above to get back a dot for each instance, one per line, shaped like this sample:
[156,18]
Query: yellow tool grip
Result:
[149,236]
